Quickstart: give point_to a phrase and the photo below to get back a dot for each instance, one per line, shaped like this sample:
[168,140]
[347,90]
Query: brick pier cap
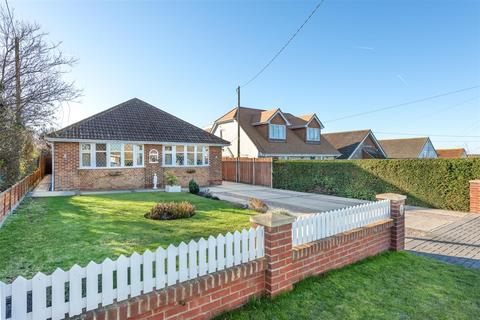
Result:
[271,220]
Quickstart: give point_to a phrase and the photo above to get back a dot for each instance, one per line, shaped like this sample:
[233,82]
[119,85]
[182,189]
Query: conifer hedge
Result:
[434,183]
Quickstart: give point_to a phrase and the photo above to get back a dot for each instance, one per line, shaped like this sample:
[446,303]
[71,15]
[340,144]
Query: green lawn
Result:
[47,233]
[389,286]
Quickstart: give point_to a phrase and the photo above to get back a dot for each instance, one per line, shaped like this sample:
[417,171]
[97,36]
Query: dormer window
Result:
[313,134]
[277,132]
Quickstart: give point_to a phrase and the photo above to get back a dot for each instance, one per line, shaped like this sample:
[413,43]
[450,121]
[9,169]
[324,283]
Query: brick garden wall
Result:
[282,266]
[68,176]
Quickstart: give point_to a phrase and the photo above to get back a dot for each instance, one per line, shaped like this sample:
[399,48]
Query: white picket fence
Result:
[321,225]
[69,292]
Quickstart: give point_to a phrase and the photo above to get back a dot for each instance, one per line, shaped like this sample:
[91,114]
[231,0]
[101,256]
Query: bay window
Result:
[185,155]
[111,155]
[313,134]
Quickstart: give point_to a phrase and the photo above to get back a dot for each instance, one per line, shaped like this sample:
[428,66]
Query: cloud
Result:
[364,48]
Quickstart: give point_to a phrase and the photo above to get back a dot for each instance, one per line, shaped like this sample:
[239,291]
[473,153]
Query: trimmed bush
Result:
[171,211]
[257,205]
[193,187]
[434,183]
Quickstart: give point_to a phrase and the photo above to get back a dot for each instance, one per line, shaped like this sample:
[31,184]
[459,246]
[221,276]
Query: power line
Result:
[284,46]
[403,104]
[423,134]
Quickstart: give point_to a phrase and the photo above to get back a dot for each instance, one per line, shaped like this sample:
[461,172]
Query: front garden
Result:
[46,233]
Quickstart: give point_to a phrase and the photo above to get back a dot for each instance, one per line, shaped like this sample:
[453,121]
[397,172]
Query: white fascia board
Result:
[298,155]
[137,142]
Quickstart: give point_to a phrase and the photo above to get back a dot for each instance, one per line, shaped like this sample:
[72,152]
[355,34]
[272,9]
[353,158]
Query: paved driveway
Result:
[448,236]
[296,202]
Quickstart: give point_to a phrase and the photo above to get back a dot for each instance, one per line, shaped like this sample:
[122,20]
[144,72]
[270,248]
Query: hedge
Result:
[434,183]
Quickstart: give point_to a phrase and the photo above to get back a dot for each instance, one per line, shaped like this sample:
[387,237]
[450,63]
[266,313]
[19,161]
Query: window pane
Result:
[128,158]
[116,147]
[153,156]
[140,158]
[190,159]
[168,148]
[190,148]
[128,147]
[199,156]
[205,155]
[101,147]
[86,160]
[101,159]
[168,159]
[85,146]
[180,159]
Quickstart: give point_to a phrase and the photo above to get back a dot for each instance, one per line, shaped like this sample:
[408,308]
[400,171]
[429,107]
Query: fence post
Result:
[475,196]
[278,251]
[397,213]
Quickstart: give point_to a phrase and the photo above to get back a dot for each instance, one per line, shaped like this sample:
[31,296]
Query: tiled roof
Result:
[293,145]
[408,148]
[346,142]
[451,153]
[136,120]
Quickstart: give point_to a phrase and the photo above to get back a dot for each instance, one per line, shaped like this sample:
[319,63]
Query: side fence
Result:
[256,171]
[10,198]
[200,280]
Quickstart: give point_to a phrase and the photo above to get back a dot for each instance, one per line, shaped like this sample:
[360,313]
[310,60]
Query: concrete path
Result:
[296,202]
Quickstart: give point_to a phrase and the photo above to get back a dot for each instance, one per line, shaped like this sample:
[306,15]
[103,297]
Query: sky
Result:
[188,57]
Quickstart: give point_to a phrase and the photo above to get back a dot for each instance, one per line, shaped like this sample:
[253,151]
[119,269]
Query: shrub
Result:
[170,178]
[257,205]
[435,183]
[171,211]
[193,187]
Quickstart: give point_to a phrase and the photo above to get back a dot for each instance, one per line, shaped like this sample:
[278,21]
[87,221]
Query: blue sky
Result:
[353,56]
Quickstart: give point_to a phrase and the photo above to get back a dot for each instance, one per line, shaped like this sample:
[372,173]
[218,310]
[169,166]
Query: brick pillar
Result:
[475,196]
[278,251]
[397,213]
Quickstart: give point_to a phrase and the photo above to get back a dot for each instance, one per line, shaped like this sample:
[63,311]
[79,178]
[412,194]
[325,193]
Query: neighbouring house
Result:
[273,133]
[409,148]
[360,144]
[124,146]
[452,153]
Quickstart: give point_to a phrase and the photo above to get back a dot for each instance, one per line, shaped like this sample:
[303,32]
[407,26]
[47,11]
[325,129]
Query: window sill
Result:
[109,168]
[192,166]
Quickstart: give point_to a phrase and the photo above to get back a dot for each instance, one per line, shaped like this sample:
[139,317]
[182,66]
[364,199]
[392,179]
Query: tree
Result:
[42,84]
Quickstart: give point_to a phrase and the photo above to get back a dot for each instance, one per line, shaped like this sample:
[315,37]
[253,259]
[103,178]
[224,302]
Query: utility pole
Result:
[238,134]
[17,79]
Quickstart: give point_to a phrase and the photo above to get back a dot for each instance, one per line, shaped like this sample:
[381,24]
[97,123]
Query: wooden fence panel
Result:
[256,171]
[11,197]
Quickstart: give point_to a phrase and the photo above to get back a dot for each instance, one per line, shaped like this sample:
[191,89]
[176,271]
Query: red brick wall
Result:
[68,176]
[215,168]
[66,161]
[201,298]
[336,252]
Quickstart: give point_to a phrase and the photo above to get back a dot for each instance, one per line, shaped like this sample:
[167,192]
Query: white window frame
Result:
[93,153]
[313,137]
[153,152]
[275,131]
[204,150]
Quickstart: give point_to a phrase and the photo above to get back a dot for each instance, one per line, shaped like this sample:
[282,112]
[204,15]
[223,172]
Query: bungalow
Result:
[360,144]
[124,146]
[273,133]
[409,148]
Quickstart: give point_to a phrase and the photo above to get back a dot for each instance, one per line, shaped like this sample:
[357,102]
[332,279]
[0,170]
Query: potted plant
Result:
[171,182]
